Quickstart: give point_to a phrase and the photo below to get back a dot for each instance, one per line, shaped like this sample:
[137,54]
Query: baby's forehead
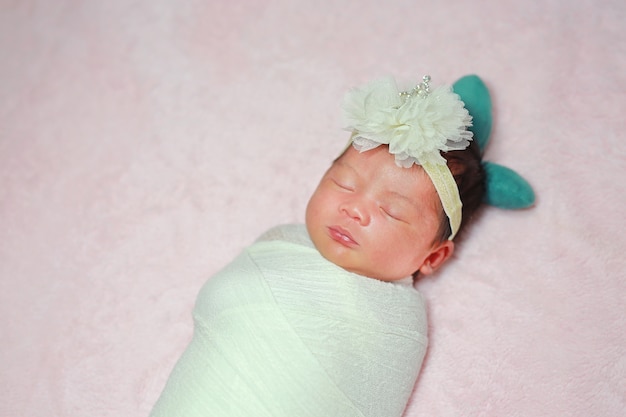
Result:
[378,161]
[375,167]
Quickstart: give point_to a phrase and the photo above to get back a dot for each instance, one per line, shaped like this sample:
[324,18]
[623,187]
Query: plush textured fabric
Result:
[283,332]
[506,188]
[144,144]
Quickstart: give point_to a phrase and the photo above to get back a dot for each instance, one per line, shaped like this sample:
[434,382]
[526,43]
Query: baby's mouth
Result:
[341,235]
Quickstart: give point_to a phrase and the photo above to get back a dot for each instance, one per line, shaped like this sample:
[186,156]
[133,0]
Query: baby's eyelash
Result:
[390,214]
[343,186]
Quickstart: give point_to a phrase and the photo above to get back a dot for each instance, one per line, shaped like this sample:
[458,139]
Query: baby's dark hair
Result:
[469,175]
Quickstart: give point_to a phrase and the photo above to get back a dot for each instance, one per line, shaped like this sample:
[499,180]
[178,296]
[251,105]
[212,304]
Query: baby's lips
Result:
[342,236]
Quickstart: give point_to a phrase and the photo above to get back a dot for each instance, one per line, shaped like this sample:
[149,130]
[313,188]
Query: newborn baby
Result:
[322,319]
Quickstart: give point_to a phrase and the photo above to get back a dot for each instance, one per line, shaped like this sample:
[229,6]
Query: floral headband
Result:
[419,124]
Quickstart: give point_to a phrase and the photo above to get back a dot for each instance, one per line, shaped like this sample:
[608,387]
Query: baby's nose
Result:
[356,210]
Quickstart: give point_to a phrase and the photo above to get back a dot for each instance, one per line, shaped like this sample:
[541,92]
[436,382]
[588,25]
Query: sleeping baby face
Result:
[376,219]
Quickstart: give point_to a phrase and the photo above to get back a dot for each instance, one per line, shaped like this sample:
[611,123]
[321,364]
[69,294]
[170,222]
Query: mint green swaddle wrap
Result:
[283,332]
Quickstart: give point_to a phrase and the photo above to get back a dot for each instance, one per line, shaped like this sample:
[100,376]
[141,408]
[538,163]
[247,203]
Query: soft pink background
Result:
[144,143]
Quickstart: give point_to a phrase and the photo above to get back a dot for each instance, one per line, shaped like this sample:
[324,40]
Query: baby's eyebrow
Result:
[345,164]
[346,169]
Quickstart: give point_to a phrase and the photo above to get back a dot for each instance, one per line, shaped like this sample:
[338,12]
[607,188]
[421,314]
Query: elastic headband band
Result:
[448,192]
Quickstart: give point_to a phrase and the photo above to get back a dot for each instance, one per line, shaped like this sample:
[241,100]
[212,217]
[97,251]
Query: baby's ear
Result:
[437,257]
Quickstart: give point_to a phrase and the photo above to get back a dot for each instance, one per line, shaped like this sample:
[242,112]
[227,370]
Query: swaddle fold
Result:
[283,332]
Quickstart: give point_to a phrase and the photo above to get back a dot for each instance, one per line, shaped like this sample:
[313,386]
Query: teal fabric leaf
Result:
[475,95]
[506,188]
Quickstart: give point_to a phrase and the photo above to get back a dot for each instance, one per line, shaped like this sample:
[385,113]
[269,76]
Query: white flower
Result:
[415,126]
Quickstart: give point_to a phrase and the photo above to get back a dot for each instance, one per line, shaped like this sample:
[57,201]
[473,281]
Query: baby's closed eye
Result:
[343,185]
[393,213]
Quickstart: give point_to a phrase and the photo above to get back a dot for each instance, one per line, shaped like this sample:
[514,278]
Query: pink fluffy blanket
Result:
[143,144]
